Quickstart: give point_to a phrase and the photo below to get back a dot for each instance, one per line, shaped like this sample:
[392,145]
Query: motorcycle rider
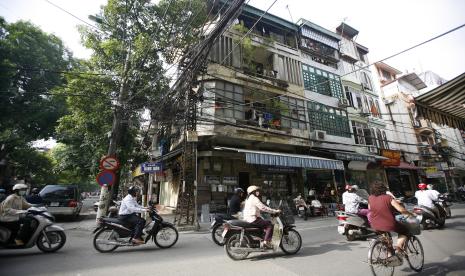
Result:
[236,202]
[352,200]
[300,202]
[11,210]
[426,198]
[128,214]
[253,206]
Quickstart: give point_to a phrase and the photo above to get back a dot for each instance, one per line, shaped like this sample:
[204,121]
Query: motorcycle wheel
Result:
[291,242]
[166,237]
[441,221]
[350,237]
[52,242]
[217,232]
[234,241]
[105,234]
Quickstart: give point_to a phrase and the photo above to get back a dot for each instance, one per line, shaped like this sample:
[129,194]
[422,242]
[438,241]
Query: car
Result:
[62,200]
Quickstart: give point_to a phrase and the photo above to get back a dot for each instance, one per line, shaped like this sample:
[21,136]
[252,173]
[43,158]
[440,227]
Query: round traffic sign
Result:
[109,163]
[106,178]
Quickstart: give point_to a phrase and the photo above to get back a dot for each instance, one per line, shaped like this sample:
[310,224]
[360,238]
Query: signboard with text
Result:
[393,155]
[151,167]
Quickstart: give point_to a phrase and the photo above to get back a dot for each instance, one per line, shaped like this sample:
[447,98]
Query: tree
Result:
[29,62]
[132,41]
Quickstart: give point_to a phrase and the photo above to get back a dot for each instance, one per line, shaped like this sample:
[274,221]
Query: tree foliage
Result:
[29,59]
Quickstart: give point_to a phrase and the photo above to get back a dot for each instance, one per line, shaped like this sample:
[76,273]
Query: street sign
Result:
[151,167]
[109,163]
[106,178]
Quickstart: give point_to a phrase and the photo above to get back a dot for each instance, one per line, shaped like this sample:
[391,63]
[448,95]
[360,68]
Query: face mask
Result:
[22,193]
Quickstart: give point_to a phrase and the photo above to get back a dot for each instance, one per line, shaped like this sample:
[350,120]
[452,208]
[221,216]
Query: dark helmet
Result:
[35,191]
[238,191]
[133,190]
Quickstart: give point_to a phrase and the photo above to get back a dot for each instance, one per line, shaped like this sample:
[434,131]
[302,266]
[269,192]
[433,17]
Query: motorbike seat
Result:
[243,224]
[113,220]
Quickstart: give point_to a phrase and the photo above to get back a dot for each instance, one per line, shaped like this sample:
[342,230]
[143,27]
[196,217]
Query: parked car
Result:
[62,199]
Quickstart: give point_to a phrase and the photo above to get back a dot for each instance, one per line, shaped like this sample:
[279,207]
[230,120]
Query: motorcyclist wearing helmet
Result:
[34,197]
[352,201]
[426,197]
[253,206]
[128,214]
[11,210]
[236,202]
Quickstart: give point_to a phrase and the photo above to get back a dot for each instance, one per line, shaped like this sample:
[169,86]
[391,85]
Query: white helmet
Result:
[252,189]
[354,187]
[20,187]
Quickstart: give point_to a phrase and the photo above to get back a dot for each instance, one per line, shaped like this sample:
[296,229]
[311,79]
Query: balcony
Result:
[423,126]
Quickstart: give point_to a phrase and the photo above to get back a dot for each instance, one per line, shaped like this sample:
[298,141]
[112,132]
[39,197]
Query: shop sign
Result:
[433,172]
[148,167]
[443,166]
[393,155]
[354,157]
[276,169]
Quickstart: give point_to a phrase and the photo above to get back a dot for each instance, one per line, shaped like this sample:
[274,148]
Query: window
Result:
[349,96]
[386,144]
[366,81]
[332,120]
[359,100]
[359,135]
[386,75]
[229,100]
[380,138]
[322,82]
[292,113]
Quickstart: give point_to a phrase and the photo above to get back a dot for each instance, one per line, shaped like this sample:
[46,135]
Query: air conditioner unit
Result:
[373,149]
[319,135]
[343,103]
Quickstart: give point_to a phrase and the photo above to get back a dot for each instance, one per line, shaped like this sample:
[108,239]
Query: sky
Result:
[385,27]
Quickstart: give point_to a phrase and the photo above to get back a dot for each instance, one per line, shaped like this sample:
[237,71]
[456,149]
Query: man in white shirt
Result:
[352,200]
[128,214]
[252,208]
[426,197]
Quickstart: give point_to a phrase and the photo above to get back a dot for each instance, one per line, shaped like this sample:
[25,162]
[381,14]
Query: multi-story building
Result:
[424,148]
[275,114]
[366,119]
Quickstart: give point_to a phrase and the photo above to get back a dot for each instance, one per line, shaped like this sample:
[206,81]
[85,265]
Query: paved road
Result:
[324,252]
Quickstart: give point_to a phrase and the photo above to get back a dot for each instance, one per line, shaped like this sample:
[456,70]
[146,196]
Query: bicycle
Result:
[381,253]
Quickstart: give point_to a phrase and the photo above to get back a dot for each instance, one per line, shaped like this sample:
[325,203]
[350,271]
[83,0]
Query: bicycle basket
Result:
[287,217]
[412,225]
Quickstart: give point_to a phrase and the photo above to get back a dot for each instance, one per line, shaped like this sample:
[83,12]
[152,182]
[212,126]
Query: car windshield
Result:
[58,192]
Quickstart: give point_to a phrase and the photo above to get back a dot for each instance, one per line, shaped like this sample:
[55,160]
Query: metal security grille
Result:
[332,120]
[322,82]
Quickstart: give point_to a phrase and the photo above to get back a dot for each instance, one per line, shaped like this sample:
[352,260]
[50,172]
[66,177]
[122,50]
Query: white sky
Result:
[385,26]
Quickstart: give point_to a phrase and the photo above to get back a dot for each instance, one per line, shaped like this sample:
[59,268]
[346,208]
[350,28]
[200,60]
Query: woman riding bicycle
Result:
[382,208]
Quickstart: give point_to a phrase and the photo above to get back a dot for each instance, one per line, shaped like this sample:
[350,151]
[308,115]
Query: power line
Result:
[62,9]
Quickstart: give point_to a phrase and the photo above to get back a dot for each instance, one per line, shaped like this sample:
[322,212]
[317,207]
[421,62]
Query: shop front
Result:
[280,175]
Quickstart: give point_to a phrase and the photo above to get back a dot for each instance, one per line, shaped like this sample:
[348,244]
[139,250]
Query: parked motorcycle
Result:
[241,238]
[353,226]
[112,233]
[217,227]
[48,236]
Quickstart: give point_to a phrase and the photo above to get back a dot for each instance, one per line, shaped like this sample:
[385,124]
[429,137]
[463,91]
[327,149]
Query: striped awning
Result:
[445,104]
[287,160]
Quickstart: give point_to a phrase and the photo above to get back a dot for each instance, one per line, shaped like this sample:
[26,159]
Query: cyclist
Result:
[382,208]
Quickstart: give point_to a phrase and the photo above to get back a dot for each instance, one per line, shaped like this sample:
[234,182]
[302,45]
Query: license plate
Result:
[54,204]
[224,233]
[301,208]
[341,229]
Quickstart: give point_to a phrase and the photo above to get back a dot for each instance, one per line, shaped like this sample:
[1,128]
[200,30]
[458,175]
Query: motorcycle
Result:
[217,227]
[353,226]
[302,211]
[241,238]
[48,236]
[430,219]
[112,233]
[444,202]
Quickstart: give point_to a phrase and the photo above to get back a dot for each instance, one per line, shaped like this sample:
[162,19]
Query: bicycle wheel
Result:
[415,254]
[377,258]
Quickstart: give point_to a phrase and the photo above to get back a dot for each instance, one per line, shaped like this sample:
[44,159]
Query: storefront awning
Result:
[404,166]
[287,159]
[169,155]
[357,165]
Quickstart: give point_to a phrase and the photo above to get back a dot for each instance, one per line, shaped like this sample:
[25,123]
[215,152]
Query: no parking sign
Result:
[106,178]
